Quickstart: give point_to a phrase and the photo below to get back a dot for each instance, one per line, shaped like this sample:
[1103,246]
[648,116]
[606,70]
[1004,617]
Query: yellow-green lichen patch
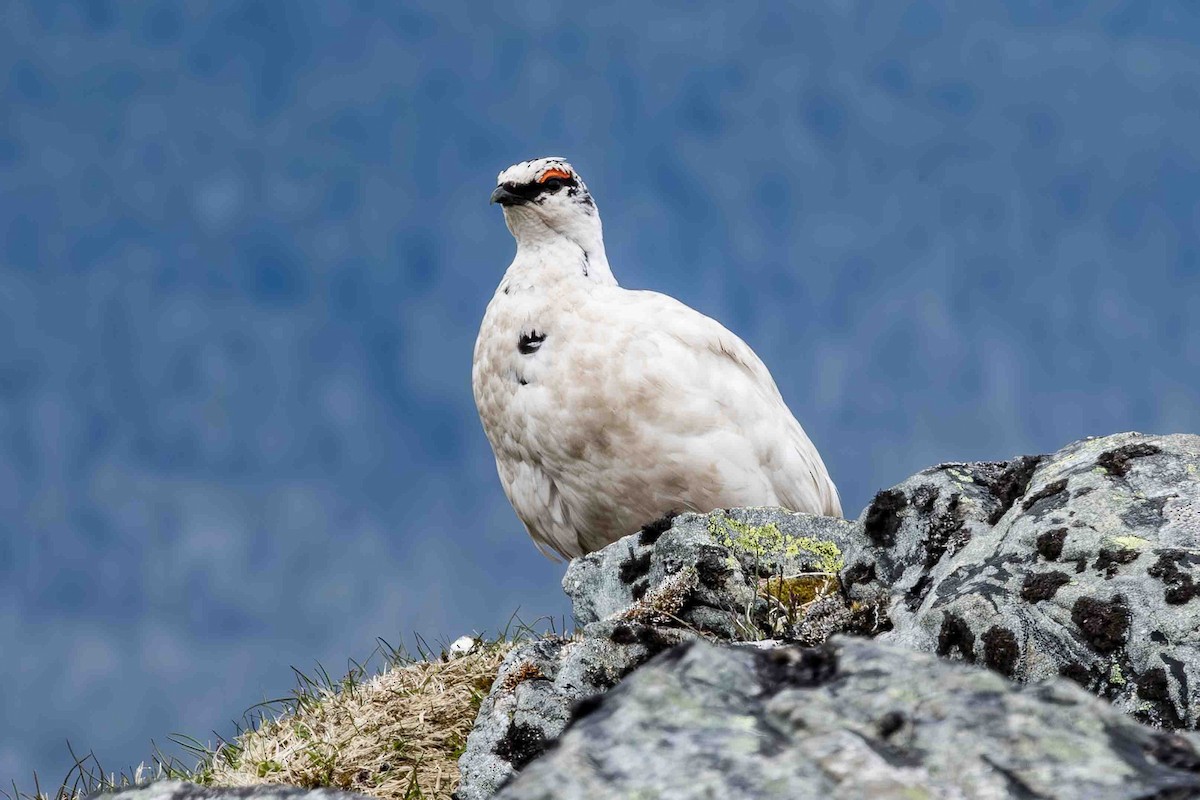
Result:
[770,543]
[1129,542]
[1115,676]
[960,475]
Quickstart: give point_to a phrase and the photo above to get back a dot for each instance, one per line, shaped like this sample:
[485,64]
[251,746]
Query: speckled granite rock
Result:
[1084,563]
[680,578]
[849,720]
[536,688]
[179,790]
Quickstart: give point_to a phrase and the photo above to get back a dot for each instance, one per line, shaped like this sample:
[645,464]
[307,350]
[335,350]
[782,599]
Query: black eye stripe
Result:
[529,343]
[530,191]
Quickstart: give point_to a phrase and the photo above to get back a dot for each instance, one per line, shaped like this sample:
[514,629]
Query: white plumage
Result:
[606,408]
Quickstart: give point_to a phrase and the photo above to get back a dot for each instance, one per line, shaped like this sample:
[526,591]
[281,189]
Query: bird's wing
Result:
[539,505]
[710,370]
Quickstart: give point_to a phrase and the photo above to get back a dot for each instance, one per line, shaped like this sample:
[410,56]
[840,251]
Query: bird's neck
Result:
[570,253]
[562,260]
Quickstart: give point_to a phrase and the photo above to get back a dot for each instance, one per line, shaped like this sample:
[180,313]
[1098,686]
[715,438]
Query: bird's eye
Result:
[553,183]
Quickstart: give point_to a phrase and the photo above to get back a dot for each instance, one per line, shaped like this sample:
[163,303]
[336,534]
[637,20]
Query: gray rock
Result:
[678,579]
[535,690]
[854,719]
[1084,563]
[179,790]
[731,552]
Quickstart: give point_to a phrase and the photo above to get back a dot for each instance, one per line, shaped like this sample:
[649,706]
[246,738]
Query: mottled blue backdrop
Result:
[246,245]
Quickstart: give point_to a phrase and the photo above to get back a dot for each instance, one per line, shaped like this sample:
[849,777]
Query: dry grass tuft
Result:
[396,735]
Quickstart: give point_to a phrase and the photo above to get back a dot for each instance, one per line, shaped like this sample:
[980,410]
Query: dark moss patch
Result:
[883,517]
[1103,624]
[1180,586]
[1152,685]
[862,572]
[795,668]
[924,498]
[1049,492]
[1158,709]
[1116,462]
[1043,585]
[1011,484]
[627,633]
[651,533]
[870,618]
[889,723]
[1078,673]
[623,633]
[521,744]
[711,570]
[634,567]
[1001,651]
[956,634]
[1050,543]
[1109,560]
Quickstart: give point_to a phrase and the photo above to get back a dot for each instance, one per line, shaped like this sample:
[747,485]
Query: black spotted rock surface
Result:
[1083,564]
[853,719]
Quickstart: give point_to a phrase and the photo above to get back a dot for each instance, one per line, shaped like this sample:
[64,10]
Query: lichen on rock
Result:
[768,542]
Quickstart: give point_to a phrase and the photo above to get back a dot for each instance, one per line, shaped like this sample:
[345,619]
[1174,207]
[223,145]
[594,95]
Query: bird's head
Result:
[545,200]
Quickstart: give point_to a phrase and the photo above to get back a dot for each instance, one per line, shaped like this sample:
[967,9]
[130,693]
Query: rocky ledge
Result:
[851,719]
[1075,572]
[1017,629]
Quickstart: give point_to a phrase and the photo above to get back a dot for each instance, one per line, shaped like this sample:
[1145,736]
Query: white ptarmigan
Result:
[607,408]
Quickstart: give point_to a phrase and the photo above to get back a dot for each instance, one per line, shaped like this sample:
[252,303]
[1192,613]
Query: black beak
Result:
[506,197]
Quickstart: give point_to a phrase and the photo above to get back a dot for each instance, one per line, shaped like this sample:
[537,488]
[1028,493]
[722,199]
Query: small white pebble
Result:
[463,645]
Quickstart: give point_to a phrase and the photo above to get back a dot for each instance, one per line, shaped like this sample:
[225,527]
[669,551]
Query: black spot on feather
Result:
[529,343]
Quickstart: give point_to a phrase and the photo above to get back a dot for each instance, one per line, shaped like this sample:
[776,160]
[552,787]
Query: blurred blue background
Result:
[246,247]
